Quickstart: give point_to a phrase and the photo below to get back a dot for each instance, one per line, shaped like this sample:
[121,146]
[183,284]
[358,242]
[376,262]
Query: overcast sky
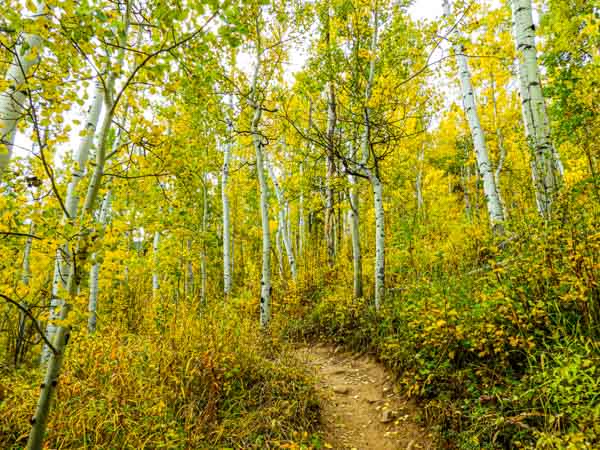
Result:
[426,9]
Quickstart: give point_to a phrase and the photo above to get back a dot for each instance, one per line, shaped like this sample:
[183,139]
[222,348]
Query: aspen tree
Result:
[96,260]
[283,222]
[63,332]
[494,206]
[546,166]
[225,202]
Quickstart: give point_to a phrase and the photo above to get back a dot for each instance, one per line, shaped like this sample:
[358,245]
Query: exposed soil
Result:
[360,409]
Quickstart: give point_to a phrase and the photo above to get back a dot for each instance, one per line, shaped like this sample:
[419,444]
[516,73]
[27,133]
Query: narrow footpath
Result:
[360,409]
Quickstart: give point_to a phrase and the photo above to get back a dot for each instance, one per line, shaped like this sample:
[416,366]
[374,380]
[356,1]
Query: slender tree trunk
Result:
[374,176]
[62,334]
[225,202]
[494,206]
[72,205]
[265,297]
[26,56]
[379,241]
[546,166]
[265,291]
[355,232]
[301,223]
[330,159]
[283,229]
[96,259]
[501,147]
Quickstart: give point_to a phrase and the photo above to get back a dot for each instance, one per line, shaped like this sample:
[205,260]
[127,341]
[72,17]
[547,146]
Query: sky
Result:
[426,9]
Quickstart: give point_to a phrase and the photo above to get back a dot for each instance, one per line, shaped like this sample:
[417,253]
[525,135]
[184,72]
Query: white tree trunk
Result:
[496,215]
[374,178]
[283,227]
[265,296]
[379,240]
[265,288]
[62,334]
[355,232]
[78,169]
[226,215]
[94,273]
[501,148]
[27,54]
[547,168]
[301,223]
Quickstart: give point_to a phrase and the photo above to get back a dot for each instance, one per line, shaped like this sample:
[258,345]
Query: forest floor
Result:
[360,408]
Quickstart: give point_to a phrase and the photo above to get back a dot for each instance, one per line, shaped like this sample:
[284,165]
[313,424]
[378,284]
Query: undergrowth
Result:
[207,381]
[504,355]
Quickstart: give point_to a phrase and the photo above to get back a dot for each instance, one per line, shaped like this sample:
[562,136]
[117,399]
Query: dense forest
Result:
[191,191]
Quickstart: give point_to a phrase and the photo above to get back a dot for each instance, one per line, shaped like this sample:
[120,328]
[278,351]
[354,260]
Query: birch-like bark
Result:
[301,221]
[78,170]
[283,227]
[496,215]
[374,177]
[546,167]
[226,214]
[501,147]
[355,233]
[94,273]
[379,241]
[265,291]
[26,56]
[62,334]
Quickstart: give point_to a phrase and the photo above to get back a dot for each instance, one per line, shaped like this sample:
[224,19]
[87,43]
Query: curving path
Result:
[360,409]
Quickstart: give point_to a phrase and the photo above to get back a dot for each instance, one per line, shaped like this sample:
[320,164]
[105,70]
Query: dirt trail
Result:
[360,409]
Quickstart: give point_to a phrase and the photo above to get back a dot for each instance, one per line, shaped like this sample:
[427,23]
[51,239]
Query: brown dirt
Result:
[354,419]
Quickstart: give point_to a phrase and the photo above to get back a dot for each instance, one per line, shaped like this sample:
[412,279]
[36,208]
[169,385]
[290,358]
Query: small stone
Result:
[372,399]
[341,389]
[387,416]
